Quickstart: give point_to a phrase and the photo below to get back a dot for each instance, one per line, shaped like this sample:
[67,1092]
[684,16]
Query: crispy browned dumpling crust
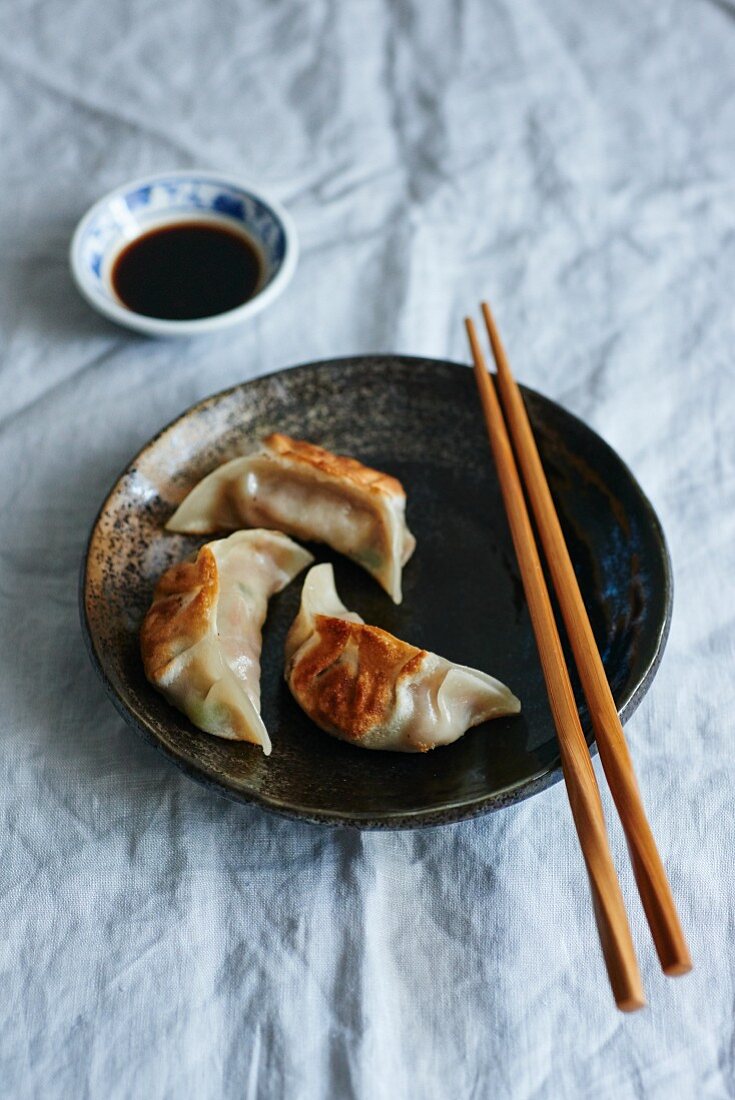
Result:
[340,466]
[353,695]
[182,606]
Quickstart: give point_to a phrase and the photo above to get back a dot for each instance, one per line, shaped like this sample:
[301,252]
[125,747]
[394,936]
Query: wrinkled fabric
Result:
[576,162]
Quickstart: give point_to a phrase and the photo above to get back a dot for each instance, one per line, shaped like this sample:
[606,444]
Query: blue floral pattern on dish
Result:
[143,207]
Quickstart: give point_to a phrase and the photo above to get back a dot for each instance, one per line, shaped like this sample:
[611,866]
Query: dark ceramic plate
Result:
[419,419]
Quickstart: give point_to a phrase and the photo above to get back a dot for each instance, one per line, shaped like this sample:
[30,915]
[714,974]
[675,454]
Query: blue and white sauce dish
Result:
[172,199]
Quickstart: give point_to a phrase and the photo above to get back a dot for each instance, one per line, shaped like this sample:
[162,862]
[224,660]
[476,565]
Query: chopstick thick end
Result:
[631,1004]
[678,969]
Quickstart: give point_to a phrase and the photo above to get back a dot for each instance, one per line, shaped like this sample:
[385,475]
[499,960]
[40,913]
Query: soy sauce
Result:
[187,270]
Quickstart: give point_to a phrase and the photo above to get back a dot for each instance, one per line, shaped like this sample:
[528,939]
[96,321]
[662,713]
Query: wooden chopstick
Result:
[584,794]
[648,868]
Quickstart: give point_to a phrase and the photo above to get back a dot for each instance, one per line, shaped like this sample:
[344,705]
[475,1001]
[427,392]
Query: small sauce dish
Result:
[144,248]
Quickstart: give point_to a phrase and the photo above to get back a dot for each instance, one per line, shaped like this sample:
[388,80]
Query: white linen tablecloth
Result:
[575,161]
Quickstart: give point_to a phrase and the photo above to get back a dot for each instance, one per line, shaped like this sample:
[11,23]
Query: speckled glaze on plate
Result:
[420,420]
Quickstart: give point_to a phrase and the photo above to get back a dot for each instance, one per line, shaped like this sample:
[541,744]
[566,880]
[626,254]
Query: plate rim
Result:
[396,819]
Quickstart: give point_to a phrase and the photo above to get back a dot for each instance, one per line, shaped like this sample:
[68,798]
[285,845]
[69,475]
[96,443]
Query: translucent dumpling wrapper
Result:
[201,638]
[312,494]
[363,685]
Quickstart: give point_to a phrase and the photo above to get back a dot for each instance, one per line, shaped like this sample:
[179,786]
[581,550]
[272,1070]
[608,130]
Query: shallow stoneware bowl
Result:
[418,419]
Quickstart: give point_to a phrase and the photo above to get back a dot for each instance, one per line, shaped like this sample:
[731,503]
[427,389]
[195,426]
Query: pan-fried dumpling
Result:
[309,493]
[201,637]
[361,684]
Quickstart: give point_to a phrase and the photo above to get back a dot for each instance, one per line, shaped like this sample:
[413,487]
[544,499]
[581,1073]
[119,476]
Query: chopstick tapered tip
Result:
[477,356]
[487,313]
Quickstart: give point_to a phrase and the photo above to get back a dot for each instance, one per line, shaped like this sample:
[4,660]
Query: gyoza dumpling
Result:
[361,684]
[201,637]
[311,494]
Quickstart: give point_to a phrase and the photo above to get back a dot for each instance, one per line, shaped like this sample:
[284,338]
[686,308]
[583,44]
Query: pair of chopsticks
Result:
[581,783]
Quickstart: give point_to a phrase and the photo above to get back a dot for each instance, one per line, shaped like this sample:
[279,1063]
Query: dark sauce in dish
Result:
[187,270]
